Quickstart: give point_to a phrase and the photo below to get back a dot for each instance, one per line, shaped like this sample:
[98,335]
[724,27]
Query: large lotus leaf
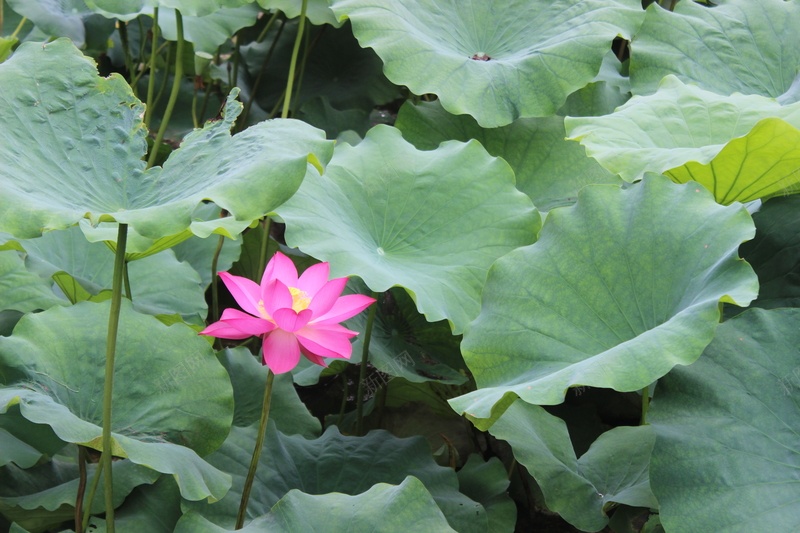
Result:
[334,463]
[495,61]
[774,253]
[56,167]
[678,124]
[726,454]
[736,46]
[160,284]
[613,471]
[318,12]
[548,168]
[617,290]
[249,377]
[44,496]
[762,164]
[21,290]
[208,32]
[128,9]
[58,356]
[386,508]
[432,222]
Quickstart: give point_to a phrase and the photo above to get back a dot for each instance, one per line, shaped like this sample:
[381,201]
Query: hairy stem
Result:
[151,82]
[362,375]
[108,388]
[293,64]
[262,430]
[173,97]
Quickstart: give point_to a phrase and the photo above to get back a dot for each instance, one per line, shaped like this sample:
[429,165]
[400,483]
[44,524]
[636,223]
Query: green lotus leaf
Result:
[774,253]
[64,18]
[333,463]
[43,497]
[482,58]
[762,164]
[196,478]
[21,290]
[610,89]
[160,284]
[617,290]
[249,377]
[676,125]
[388,508]
[17,451]
[726,430]
[57,169]
[129,9]
[404,344]
[487,482]
[548,168]
[318,12]
[612,471]
[208,32]
[53,367]
[736,46]
[432,222]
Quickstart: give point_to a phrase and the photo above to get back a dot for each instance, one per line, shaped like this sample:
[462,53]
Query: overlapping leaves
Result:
[740,147]
[91,167]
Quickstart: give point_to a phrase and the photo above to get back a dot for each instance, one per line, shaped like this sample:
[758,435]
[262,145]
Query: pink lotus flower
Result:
[292,315]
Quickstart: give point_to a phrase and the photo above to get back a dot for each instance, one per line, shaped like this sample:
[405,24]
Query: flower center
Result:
[300,299]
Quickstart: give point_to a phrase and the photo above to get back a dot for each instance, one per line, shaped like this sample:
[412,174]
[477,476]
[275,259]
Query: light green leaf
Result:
[481,58]
[208,32]
[129,9]
[58,356]
[20,290]
[318,12]
[726,453]
[548,168]
[432,222]
[43,89]
[334,463]
[678,124]
[736,46]
[762,164]
[62,18]
[386,508]
[160,284]
[613,470]
[617,290]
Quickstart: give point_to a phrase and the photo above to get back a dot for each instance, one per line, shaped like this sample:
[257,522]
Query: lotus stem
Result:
[362,375]
[645,405]
[262,430]
[293,65]
[151,82]
[108,388]
[173,96]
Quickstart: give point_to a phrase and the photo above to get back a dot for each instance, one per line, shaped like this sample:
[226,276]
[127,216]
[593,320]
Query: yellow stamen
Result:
[300,299]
